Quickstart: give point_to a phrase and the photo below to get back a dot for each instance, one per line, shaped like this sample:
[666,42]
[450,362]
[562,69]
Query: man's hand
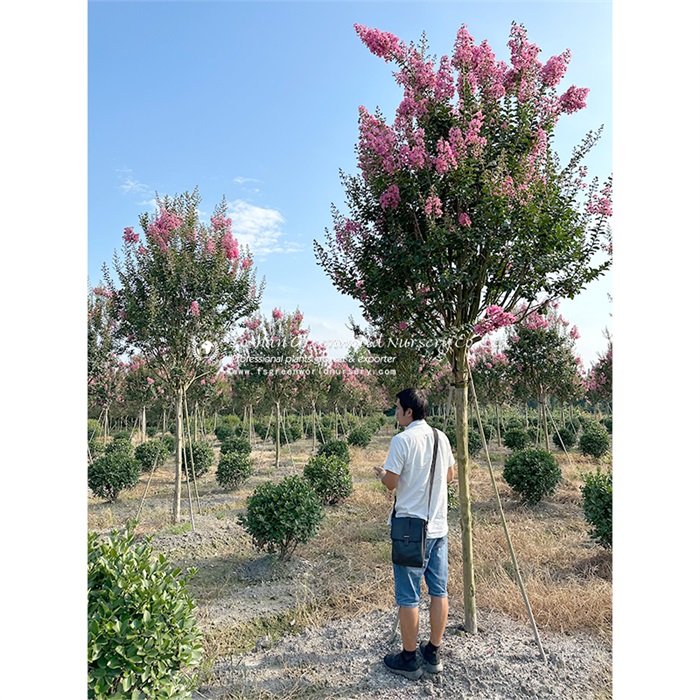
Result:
[379,471]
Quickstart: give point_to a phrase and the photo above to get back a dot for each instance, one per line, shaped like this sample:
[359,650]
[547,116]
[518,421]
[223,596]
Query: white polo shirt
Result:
[410,456]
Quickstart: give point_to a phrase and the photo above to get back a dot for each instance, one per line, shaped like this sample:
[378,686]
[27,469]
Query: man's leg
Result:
[408,619]
[439,608]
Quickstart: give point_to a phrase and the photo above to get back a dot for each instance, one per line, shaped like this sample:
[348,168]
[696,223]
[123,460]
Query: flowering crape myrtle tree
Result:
[105,371]
[599,380]
[492,382]
[272,350]
[542,360]
[183,288]
[461,206]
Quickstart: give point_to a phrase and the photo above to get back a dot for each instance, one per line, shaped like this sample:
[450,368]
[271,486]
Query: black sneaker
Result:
[409,669]
[433,664]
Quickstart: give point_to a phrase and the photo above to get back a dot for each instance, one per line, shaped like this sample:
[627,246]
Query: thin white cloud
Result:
[129,185]
[259,228]
[242,180]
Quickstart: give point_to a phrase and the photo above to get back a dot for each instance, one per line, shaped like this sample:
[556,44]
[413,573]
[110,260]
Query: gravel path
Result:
[343,659]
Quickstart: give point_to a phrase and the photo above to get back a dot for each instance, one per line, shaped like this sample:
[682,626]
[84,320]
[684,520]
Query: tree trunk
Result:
[277,437]
[461,424]
[144,436]
[546,427]
[313,426]
[178,456]
[498,426]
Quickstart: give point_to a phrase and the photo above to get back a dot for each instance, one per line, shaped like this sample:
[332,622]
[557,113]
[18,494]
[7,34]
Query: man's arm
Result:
[450,474]
[389,479]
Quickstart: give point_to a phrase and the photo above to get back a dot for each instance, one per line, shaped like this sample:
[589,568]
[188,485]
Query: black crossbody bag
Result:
[408,534]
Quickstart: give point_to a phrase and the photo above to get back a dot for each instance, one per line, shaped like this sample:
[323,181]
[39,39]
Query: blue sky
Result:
[258,101]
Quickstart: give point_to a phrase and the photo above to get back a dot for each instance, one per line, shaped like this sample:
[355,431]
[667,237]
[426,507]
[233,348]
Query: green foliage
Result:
[94,428]
[122,435]
[233,469]
[281,516]
[532,433]
[452,497]
[565,438]
[142,633]
[236,444]
[202,455]
[594,440]
[151,454]
[111,473]
[224,431]
[361,437]
[329,476]
[516,438]
[474,443]
[120,445]
[533,473]
[151,431]
[335,448]
[607,422]
[169,441]
[291,428]
[598,505]
[95,448]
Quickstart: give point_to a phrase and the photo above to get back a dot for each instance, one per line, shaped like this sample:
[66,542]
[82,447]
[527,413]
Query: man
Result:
[407,469]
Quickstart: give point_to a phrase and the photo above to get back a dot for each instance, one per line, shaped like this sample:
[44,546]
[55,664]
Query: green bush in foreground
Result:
[329,477]
[236,444]
[233,469]
[151,454]
[564,438]
[111,473]
[516,438]
[336,448]
[594,440]
[142,633]
[360,437]
[281,516]
[202,454]
[533,473]
[597,505]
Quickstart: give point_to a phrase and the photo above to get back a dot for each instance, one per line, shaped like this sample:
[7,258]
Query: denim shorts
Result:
[407,578]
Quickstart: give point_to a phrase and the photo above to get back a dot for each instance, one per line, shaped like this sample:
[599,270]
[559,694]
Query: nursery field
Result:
[318,625]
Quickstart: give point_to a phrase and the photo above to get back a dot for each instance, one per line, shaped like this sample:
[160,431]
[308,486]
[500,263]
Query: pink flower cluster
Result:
[194,309]
[219,223]
[377,145]
[573,99]
[130,236]
[252,324]
[382,44]
[230,246]
[445,159]
[553,71]
[496,318]
[533,321]
[464,219]
[246,263]
[163,226]
[277,314]
[433,207]
[390,198]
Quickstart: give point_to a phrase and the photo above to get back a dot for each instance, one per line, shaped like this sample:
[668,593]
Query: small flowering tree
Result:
[542,360]
[489,369]
[461,206]
[105,372]
[182,289]
[599,380]
[313,383]
[270,350]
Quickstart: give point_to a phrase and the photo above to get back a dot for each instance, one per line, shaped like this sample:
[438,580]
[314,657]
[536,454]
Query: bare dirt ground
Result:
[318,626]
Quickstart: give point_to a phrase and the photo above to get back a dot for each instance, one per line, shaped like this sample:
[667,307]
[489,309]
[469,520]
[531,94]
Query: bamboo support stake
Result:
[561,442]
[194,475]
[145,491]
[514,559]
